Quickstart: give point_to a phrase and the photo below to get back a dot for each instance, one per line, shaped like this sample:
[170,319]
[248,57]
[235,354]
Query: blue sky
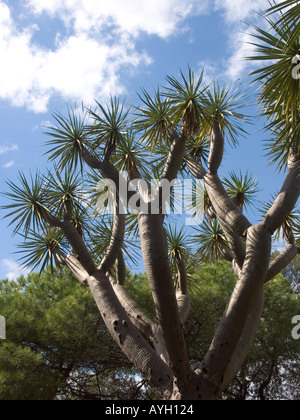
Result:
[59,52]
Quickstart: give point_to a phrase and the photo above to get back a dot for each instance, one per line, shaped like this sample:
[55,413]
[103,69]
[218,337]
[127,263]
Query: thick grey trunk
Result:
[126,335]
[245,295]
[155,255]
[135,313]
[245,342]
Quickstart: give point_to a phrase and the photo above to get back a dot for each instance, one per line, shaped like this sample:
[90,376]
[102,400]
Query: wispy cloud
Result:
[240,10]
[9,164]
[8,148]
[12,269]
[237,15]
[155,17]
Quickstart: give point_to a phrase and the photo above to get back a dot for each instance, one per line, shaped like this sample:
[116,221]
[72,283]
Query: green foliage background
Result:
[58,347]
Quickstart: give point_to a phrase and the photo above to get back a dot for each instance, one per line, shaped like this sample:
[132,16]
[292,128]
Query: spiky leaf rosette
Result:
[186,99]
[210,240]
[289,11]
[279,94]
[153,119]
[109,125]
[242,189]
[221,108]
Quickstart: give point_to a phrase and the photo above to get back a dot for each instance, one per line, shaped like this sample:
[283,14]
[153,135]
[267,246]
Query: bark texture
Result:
[130,340]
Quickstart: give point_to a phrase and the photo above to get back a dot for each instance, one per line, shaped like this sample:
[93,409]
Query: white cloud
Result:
[87,62]
[9,164]
[99,44]
[155,17]
[81,67]
[237,14]
[237,65]
[8,148]
[239,10]
[13,270]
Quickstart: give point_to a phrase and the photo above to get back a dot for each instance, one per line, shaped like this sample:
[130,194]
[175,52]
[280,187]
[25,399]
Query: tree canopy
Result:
[58,347]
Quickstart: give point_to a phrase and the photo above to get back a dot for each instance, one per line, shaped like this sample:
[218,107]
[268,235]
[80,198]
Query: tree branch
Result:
[78,246]
[181,272]
[116,242]
[68,210]
[286,199]
[236,246]
[216,149]
[74,265]
[109,171]
[244,297]
[155,254]
[183,300]
[228,213]
[135,347]
[121,269]
[135,313]
[245,342]
[176,156]
[184,306]
[195,168]
[282,261]
[226,253]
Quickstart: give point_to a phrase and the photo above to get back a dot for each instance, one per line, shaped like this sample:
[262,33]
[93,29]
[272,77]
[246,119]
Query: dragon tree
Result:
[178,131]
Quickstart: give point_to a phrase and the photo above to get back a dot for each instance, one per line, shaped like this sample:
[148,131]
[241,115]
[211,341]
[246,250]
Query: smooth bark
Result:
[216,149]
[287,199]
[116,242]
[175,158]
[236,246]
[121,269]
[245,342]
[78,247]
[240,306]
[282,261]
[181,273]
[130,340]
[158,350]
[228,213]
[133,310]
[155,254]
[74,265]
[195,168]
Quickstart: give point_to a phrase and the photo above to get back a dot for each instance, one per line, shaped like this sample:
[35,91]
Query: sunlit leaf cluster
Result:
[279,80]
